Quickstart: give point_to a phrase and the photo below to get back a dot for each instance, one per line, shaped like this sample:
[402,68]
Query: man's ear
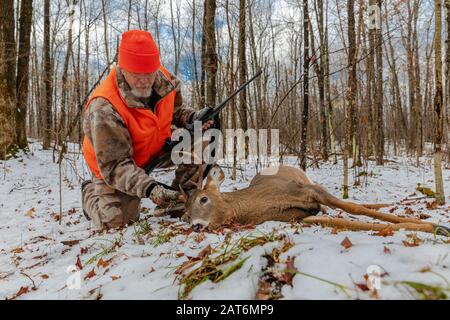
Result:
[215,178]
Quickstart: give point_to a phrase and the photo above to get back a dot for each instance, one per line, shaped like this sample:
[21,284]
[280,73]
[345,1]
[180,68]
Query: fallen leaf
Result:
[17,250]
[30,212]
[346,243]
[424,216]
[362,286]
[206,251]
[410,244]
[431,205]
[78,263]
[102,263]
[44,276]
[290,270]
[83,250]
[179,254]
[334,231]
[386,232]
[114,278]
[90,274]
[264,290]
[424,270]
[21,291]
[70,242]
[374,294]
[387,250]
[391,210]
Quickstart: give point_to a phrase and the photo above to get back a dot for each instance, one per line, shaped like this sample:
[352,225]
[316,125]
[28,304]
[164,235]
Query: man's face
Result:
[140,83]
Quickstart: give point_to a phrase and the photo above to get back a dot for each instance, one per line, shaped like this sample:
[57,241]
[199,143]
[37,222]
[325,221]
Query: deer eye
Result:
[203,200]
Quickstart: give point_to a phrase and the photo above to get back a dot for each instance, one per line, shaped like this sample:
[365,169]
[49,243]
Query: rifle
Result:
[207,113]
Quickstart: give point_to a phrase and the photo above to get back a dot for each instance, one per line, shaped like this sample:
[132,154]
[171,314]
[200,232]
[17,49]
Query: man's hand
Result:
[199,113]
[207,124]
[164,197]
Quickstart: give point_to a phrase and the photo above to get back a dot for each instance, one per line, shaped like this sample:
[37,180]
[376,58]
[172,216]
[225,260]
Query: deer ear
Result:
[215,178]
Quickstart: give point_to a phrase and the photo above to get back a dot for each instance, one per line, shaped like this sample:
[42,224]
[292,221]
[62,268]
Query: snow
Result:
[31,248]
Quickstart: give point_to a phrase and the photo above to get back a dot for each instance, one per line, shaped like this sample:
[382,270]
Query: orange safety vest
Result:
[148,130]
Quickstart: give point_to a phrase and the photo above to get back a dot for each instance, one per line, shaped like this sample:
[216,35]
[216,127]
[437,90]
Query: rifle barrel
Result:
[223,103]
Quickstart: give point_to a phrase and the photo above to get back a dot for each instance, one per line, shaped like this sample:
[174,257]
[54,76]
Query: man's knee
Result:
[119,209]
[111,208]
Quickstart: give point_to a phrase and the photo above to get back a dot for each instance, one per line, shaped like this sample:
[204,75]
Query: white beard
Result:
[138,94]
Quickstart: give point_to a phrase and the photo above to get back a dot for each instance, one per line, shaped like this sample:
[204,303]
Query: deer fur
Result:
[282,194]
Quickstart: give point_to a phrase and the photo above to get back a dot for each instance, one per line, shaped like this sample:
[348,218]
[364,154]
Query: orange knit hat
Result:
[138,52]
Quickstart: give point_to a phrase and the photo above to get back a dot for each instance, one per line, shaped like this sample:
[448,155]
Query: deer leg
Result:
[376,205]
[323,197]
[365,226]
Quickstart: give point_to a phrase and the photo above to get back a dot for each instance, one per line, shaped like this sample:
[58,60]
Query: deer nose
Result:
[197,227]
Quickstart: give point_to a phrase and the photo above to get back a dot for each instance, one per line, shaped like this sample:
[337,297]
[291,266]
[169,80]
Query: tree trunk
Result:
[105,31]
[379,93]
[64,92]
[242,65]
[319,69]
[7,81]
[305,111]
[209,56]
[48,79]
[351,89]
[438,107]
[26,12]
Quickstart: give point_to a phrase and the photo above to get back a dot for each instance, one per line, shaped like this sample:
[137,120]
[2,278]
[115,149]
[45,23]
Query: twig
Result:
[32,281]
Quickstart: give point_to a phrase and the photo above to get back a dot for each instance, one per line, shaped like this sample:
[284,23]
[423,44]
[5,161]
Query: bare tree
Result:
[209,56]
[64,105]
[242,65]
[379,92]
[7,82]
[26,13]
[351,89]
[438,107]
[48,79]
[305,111]
[105,31]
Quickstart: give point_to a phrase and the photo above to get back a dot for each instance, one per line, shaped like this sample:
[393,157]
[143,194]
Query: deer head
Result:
[205,207]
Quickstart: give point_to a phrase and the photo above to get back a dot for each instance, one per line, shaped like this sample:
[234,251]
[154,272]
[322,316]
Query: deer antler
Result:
[183,193]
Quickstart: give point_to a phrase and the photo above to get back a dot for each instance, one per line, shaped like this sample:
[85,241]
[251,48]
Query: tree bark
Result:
[26,13]
[242,65]
[48,79]
[7,81]
[379,92]
[305,111]
[64,106]
[438,107]
[209,56]
[351,89]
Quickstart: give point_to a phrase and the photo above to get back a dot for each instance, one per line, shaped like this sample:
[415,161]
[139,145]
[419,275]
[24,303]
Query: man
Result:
[127,119]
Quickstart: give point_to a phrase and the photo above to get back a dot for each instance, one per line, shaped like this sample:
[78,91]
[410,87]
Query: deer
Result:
[283,193]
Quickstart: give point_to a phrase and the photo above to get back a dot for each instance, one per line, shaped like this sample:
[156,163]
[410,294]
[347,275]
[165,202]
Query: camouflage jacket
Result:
[107,132]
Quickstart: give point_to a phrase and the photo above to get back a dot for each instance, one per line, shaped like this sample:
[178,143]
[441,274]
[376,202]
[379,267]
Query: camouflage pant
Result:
[108,207]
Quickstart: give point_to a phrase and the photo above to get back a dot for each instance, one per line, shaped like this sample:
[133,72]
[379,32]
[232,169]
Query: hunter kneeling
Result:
[126,122]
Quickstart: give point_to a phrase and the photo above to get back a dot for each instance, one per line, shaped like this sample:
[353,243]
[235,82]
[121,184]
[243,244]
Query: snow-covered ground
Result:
[43,259]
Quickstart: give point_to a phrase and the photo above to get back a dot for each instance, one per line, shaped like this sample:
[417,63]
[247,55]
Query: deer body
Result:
[283,194]
[272,197]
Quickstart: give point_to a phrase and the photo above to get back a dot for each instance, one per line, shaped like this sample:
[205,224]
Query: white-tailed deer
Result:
[284,194]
